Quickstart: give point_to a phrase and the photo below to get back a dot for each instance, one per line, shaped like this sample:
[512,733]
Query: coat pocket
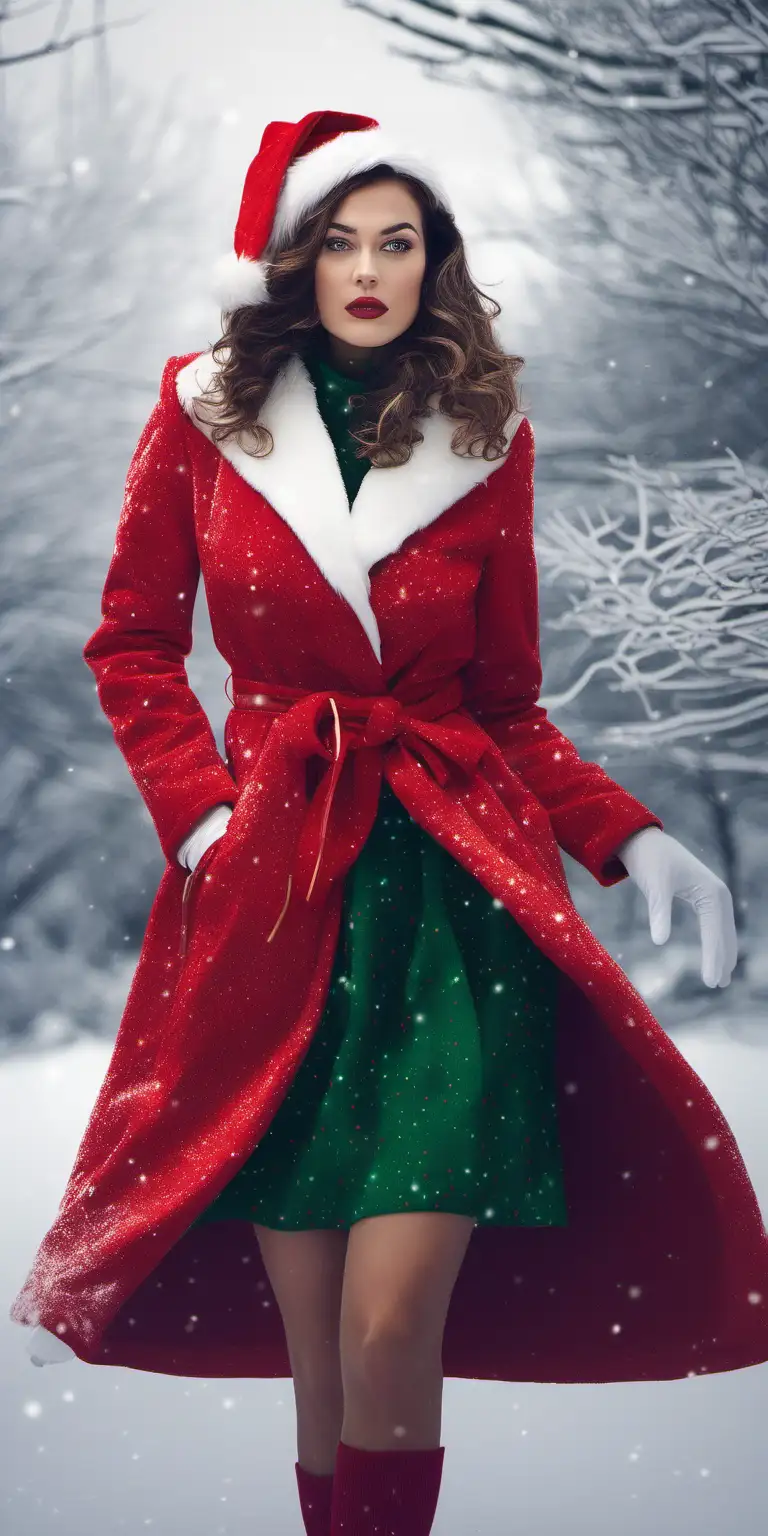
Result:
[190,886]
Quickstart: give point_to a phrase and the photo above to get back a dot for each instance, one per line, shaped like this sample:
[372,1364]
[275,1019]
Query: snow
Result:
[92,1450]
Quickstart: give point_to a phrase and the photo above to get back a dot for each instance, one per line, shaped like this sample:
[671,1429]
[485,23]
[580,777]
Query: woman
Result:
[367,1021]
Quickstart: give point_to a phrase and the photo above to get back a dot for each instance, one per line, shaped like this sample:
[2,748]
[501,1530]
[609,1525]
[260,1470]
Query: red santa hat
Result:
[296,165]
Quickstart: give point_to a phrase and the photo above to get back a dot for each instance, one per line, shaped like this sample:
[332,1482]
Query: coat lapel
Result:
[302,481]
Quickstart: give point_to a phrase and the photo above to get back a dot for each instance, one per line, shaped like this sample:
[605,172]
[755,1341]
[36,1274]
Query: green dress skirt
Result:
[429,1082]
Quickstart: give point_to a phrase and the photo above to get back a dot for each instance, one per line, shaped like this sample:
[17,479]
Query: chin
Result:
[367,333]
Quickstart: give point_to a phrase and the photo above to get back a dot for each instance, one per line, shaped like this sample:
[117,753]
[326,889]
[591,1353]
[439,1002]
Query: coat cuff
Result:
[215,787]
[599,856]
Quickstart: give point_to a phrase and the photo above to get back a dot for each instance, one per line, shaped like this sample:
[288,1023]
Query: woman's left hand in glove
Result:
[663,869]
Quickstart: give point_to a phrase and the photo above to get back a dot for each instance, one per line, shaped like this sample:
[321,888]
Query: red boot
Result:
[315,1493]
[385,1493]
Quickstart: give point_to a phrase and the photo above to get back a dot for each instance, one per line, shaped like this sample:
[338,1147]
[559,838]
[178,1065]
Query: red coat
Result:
[402,639]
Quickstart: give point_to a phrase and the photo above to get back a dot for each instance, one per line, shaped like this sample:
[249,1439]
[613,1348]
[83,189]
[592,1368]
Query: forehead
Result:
[383,202]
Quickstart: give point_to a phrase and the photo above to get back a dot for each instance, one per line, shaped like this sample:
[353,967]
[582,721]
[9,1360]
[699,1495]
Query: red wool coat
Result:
[400,639]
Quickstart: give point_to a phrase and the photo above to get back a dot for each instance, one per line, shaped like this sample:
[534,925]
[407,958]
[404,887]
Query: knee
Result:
[386,1353]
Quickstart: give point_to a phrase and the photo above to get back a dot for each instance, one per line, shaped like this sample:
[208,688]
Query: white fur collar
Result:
[302,481]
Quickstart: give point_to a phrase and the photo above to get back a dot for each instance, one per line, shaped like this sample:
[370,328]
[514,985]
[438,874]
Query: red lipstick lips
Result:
[367,309]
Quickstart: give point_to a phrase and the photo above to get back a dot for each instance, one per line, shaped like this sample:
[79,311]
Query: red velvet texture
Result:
[315,1496]
[385,1493]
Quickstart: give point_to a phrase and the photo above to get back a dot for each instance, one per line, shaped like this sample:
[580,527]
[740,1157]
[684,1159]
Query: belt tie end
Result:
[331,785]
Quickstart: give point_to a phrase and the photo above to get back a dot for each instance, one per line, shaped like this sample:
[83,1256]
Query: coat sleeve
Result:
[590,813]
[138,652]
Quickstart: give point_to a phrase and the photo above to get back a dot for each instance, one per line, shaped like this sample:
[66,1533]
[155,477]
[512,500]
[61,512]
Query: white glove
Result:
[45,1348]
[208,830]
[663,868]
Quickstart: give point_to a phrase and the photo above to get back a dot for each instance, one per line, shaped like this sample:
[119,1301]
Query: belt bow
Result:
[364,726]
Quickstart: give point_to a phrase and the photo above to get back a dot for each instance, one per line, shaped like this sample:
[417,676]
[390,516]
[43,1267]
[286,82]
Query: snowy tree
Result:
[654,113]
[676,595]
[668,585]
[89,220]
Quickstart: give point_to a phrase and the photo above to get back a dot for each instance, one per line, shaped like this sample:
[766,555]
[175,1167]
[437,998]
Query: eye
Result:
[339,240]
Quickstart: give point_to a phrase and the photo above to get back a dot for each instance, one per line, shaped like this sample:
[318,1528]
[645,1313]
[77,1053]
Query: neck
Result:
[355,362]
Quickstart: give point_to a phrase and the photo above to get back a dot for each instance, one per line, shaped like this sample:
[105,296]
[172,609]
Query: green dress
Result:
[429,1084]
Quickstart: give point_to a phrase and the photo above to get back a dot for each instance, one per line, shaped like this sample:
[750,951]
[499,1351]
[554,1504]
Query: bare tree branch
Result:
[63,44]
[11,12]
[674,599]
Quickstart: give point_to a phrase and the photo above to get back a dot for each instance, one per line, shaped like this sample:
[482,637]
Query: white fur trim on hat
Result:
[237,280]
[311,176]
[240,280]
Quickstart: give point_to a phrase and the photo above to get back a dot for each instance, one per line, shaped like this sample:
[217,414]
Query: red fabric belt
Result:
[363,725]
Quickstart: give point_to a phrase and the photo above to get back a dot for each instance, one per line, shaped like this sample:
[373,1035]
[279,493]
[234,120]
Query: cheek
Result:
[409,288]
[324,281]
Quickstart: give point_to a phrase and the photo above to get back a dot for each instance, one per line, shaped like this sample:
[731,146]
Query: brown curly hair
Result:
[449,348]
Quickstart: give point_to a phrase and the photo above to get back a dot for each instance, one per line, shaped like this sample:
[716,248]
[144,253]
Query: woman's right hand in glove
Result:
[209,829]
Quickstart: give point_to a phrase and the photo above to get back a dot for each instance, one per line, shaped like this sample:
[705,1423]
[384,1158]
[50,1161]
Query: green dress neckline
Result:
[317,363]
[356,384]
[333,390]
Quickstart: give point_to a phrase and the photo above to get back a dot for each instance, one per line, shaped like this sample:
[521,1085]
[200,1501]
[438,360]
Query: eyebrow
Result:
[349,229]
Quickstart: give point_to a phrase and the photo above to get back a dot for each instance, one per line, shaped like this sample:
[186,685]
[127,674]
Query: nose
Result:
[365,268]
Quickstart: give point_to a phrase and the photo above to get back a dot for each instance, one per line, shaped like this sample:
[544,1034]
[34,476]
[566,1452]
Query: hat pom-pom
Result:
[238,280]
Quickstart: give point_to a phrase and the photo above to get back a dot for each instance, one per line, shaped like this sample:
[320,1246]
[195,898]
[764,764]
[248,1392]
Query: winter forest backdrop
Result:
[614,190]
[609,164]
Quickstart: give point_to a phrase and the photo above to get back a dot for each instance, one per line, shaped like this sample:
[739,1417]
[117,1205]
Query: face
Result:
[374,248]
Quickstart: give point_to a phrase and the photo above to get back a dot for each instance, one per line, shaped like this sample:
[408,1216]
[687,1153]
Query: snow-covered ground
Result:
[88,1451]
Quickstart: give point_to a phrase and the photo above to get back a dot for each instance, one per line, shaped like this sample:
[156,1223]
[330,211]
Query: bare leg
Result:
[305,1271]
[396,1404]
[319,1415]
[399,1275]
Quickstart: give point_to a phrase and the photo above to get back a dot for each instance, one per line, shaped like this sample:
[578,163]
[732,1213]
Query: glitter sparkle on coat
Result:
[424,593]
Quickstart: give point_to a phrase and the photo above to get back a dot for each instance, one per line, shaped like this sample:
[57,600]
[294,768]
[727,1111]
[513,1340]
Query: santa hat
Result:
[296,165]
